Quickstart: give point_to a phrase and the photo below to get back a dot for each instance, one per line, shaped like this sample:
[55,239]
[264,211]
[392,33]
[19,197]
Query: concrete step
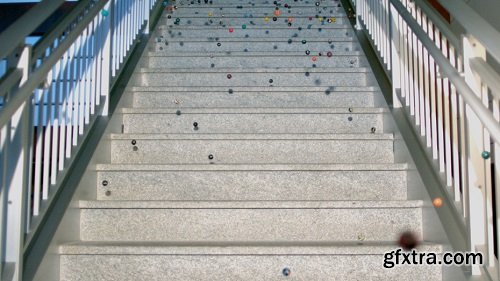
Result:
[231,77]
[223,32]
[255,11]
[237,149]
[264,97]
[298,20]
[247,3]
[248,220]
[269,45]
[245,261]
[252,182]
[253,60]
[253,120]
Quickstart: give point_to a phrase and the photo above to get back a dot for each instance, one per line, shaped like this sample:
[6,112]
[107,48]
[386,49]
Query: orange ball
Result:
[277,12]
[314,58]
[290,19]
[437,202]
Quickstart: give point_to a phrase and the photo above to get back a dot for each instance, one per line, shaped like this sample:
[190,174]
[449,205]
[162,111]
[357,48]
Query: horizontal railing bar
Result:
[11,78]
[487,74]
[55,32]
[475,25]
[439,22]
[38,75]
[449,71]
[27,23]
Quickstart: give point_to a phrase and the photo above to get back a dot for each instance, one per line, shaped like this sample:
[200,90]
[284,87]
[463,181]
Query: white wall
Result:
[489,9]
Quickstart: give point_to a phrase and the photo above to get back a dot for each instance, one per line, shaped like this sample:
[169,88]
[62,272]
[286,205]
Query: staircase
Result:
[253,149]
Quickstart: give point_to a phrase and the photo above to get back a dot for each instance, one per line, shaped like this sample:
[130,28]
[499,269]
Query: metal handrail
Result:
[25,25]
[449,71]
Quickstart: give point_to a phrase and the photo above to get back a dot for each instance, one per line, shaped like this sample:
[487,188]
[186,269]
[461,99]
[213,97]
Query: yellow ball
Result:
[333,19]
[210,14]
[266,19]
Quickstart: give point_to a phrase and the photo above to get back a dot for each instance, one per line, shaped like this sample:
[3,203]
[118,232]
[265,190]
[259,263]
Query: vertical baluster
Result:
[83,81]
[56,113]
[419,77]
[70,103]
[429,99]
[49,95]
[38,148]
[436,101]
[406,62]
[76,89]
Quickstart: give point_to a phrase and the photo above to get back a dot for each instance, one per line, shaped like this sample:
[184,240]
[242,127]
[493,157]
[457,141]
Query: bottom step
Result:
[244,261]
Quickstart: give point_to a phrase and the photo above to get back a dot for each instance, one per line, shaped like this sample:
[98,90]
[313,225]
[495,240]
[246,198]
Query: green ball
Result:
[485,154]
[244,26]
[304,41]
[104,13]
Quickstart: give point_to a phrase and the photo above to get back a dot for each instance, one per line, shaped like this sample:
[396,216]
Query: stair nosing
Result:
[236,248]
[251,167]
[233,205]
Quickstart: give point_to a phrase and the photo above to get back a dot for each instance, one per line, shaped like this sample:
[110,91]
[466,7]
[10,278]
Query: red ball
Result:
[408,240]
[231,29]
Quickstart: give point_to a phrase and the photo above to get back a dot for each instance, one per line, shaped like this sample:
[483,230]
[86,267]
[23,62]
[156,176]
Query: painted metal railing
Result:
[51,94]
[445,82]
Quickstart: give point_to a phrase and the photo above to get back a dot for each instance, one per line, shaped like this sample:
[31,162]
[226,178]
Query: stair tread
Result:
[253,89]
[223,54]
[202,136]
[250,110]
[249,167]
[266,39]
[236,247]
[233,70]
[344,204]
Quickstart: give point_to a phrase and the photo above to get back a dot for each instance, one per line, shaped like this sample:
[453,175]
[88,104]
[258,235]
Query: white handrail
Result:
[26,90]
[449,71]
[443,85]
[53,93]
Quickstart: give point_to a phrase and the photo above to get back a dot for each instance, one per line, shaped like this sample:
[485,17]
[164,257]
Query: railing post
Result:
[357,10]
[17,174]
[147,5]
[481,219]
[106,56]
[395,62]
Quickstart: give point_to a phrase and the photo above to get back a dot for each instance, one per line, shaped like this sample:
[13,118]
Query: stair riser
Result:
[244,268]
[252,185]
[296,45]
[252,151]
[252,79]
[247,224]
[252,123]
[302,21]
[253,61]
[253,99]
[249,32]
